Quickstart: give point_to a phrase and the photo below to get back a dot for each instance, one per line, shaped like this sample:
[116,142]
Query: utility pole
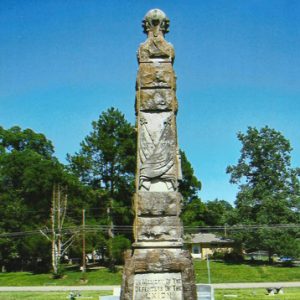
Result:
[208,269]
[83,241]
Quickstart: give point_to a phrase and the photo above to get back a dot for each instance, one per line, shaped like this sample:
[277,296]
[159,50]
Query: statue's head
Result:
[156,21]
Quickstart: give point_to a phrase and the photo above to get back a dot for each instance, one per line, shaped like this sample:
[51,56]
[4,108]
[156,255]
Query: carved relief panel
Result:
[156,99]
[156,74]
[157,152]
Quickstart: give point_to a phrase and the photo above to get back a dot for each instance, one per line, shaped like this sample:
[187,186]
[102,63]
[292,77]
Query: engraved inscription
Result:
[158,286]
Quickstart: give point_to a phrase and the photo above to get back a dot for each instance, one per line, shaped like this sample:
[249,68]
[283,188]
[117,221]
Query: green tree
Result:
[189,185]
[106,161]
[117,246]
[193,212]
[193,215]
[28,170]
[218,213]
[269,192]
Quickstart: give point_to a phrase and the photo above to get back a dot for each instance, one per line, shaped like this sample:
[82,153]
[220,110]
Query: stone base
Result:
[158,274]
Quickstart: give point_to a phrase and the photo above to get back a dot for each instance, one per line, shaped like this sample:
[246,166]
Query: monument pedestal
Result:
[158,273]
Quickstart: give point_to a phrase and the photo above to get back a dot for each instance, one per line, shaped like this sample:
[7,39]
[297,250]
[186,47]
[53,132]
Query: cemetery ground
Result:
[220,272]
[243,294]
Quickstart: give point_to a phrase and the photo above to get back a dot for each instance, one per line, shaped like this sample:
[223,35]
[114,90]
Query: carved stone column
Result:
[157,267]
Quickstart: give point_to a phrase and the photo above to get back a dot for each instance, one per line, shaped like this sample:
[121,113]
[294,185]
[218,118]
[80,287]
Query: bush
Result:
[218,255]
[60,272]
[234,256]
[117,246]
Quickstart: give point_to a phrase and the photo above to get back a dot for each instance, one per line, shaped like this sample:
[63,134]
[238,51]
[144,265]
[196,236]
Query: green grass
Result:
[95,277]
[257,294]
[85,295]
[220,273]
[242,294]
[223,272]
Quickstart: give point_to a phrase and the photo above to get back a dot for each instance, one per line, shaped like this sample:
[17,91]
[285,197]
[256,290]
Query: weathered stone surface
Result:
[157,251]
[156,75]
[158,244]
[156,48]
[166,286]
[157,155]
[145,261]
[158,204]
[156,100]
[155,23]
[158,228]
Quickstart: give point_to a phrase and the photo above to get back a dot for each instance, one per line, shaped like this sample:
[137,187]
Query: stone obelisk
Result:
[157,267]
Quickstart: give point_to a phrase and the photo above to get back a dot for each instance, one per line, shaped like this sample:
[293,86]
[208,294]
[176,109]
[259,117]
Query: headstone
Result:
[117,291]
[157,267]
[205,292]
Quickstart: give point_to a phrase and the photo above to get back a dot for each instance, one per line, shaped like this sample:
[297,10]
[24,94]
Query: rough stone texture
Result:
[156,203]
[157,261]
[157,48]
[156,75]
[158,231]
[158,228]
[156,100]
[157,154]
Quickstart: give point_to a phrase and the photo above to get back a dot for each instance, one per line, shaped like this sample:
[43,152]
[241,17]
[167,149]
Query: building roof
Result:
[206,238]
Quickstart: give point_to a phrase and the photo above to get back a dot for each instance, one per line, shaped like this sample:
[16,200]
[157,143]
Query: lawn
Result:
[85,295]
[220,273]
[95,277]
[245,294]
[257,294]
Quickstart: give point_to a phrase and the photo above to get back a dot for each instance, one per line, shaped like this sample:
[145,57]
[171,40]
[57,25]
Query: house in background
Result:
[203,244]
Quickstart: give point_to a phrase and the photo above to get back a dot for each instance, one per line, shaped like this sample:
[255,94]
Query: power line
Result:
[129,228]
[75,209]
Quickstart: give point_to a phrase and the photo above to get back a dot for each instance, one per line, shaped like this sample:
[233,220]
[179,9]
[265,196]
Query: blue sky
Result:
[64,62]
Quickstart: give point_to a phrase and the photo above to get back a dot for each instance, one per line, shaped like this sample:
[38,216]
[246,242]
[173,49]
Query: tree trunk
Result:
[270,254]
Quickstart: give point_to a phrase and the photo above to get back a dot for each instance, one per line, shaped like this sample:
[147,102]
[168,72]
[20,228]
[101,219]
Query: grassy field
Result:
[246,294]
[220,273]
[95,277]
[85,295]
[256,294]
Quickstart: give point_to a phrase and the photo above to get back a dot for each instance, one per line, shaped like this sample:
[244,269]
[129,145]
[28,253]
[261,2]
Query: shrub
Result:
[60,272]
[117,246]
[234,256]
[218,255]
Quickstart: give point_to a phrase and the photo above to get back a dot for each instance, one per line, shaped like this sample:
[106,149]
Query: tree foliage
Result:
[218,213]
[193,213]
[269,192]
[106,162]
[189,185]
[27,172]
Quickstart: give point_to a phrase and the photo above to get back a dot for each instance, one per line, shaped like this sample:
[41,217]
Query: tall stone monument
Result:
[157,267]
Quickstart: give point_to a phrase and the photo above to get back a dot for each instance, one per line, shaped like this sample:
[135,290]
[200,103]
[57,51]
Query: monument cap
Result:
[156,19]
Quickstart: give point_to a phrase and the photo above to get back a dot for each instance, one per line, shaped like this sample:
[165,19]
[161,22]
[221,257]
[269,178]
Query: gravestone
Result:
[157,267]
[205,292]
